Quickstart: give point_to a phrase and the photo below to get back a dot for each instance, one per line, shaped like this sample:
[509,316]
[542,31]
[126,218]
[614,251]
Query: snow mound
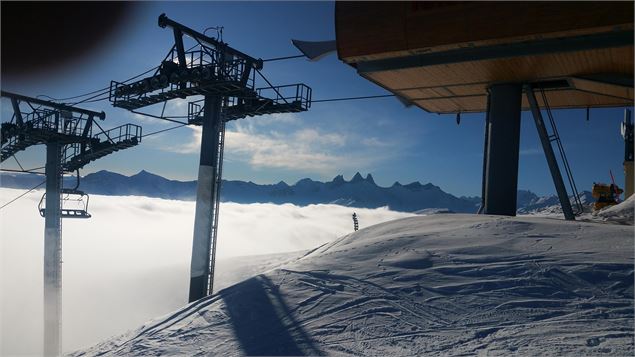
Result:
[428,211]
[440,284]
[621,213]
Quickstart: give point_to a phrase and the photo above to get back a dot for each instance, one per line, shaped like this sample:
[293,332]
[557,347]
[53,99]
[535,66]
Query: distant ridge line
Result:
[360,191]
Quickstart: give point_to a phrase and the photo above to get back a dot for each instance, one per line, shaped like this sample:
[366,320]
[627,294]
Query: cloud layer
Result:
[280,141]
[130,262]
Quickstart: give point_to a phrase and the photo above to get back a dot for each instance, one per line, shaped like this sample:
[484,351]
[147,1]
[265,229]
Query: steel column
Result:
[549,154]
[204,232]
[503,140]
[53,252]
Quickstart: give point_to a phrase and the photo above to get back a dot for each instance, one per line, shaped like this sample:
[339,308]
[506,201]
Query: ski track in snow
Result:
[440,284]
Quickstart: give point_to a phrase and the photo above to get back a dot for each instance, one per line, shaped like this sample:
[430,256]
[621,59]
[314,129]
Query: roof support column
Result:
[502,147]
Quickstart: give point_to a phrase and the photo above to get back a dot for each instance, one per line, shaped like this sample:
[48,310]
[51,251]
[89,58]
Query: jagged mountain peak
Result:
[429,186]
[369,179]
[304,181]
[281,184]
[357,178]
[338,179]
[144,173]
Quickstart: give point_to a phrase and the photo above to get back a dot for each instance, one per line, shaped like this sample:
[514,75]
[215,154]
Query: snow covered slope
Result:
[622,213]
[439,284]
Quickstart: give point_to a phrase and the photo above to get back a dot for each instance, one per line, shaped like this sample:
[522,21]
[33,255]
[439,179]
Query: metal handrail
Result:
[120,133]
[51,120]
[298,92]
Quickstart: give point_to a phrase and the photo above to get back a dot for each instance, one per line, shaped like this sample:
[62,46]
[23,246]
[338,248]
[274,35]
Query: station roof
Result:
[442,56]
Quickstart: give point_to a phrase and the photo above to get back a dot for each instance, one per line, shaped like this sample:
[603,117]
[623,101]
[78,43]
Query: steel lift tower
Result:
[73,138]
[225,77]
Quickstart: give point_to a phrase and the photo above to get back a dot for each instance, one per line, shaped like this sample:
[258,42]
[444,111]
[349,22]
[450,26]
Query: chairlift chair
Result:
[70,196]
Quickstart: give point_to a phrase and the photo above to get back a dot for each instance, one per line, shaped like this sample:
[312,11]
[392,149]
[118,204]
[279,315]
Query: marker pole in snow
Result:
[355,222]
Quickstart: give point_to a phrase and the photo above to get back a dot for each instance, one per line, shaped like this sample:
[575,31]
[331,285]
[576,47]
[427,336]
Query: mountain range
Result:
[360,191]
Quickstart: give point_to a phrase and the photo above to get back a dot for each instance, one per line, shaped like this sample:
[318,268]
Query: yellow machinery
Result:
[605,195]
[608,195]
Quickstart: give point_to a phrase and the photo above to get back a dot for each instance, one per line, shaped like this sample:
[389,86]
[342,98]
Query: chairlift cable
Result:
[73,97]
[24,171]
[282,58]
[163,109]
[272,86]
[18,162]
[22,195]
[163,130]
[106,90]
[104,132]
[100,91]
[351,98]
[158,117]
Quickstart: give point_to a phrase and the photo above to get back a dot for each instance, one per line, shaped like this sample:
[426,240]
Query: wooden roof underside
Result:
[424,69]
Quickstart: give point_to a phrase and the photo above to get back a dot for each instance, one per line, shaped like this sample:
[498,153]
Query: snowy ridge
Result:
[439,284]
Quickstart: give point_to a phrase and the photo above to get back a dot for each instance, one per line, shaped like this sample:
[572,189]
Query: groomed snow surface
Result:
[443,284]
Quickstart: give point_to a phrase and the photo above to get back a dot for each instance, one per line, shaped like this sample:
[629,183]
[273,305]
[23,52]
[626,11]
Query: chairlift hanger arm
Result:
[177,27]
[46,103]
[17,112]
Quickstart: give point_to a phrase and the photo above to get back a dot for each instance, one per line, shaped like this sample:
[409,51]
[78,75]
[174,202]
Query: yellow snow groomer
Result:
[605,195]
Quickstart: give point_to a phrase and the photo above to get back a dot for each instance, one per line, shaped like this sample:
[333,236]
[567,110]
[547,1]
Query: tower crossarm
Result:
[37,121]
[291,98]
[181,29]
[202,71]
[52,105]
[78,155]
[82,140]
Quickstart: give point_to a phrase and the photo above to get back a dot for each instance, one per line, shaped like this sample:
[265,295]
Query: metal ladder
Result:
[546,140]
[217,185]
[555,137]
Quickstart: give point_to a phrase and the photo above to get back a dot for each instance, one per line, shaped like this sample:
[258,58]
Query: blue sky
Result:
[376,136]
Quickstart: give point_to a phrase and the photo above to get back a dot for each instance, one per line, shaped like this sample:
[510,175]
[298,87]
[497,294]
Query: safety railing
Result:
[297,94]
[60,122]
[195,112]
[204,67]
[121,133]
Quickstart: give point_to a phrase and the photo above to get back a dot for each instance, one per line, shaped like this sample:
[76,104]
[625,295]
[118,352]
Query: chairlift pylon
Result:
[68,196]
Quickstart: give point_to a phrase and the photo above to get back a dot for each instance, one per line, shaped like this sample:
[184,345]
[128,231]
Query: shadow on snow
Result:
[263,323]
